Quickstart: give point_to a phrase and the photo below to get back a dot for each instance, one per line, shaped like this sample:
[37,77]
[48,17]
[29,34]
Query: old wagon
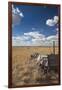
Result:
[53,62]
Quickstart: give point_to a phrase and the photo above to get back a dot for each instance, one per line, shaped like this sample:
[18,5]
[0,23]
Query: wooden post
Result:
[53,47]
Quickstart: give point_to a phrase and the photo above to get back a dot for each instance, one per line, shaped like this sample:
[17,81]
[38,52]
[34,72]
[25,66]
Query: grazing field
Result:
[25,71]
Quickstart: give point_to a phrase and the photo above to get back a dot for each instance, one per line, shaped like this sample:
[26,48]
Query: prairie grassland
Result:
[25,71]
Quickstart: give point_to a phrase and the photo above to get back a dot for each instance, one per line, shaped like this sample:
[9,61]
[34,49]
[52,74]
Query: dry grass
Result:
[26,71]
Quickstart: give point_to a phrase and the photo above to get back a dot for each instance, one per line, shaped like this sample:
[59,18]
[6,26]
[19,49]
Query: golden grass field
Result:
[25,71]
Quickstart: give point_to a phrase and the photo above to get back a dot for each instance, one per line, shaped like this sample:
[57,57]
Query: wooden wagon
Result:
[53,62]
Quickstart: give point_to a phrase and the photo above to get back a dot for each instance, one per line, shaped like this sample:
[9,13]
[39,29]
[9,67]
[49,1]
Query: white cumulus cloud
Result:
[53,21]
[17,15]
[35,35]
[34,39]
[20,40]
[52,38]
[56,19]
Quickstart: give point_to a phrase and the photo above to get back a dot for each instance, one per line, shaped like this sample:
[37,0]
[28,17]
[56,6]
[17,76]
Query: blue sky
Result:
[34,25]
